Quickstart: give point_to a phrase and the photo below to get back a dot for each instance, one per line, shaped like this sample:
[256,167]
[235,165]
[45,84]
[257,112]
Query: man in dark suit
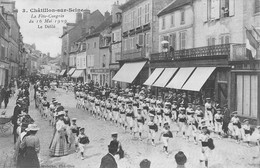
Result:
[108,161]
[17,111]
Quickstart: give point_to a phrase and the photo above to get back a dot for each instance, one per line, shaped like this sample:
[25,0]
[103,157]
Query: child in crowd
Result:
[165,135]
[74,133]
[83,140]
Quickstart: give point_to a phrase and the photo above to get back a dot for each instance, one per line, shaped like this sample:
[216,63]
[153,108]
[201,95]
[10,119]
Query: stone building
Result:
[10,14]
[116,41]
[4,36]
[139,39]
[209,46]
[72,32]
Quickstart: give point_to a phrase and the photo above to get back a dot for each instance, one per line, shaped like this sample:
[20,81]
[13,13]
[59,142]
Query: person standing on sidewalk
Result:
[31,146]
[17,111]
[59,145]
[108,161]
[7,93]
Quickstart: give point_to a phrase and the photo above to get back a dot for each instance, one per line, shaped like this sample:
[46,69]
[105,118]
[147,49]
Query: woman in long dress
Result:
[30,146]
[59,145]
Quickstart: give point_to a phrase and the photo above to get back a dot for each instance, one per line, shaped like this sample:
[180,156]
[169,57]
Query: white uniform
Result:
[218,123]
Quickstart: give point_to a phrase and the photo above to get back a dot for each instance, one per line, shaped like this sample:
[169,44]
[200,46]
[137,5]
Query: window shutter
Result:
[217,9]
[141,39]
[213,41]
[222,40]
[209,41]
[227,40]
[205,10]
[231,7]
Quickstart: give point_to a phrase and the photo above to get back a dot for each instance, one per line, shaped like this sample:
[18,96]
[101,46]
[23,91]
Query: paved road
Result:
[227,153]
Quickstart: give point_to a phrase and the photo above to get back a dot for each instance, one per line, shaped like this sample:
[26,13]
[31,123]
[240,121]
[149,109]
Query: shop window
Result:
[247,95]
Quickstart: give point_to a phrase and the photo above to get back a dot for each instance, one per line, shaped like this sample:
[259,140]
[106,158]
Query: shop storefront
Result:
[79,75]
[134,73]
[100,76]
[245,93]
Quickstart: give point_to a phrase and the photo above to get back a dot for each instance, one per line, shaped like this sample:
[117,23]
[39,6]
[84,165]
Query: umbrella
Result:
[165,42]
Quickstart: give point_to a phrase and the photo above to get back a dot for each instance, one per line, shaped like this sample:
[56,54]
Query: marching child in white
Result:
[82,141]
[165,135]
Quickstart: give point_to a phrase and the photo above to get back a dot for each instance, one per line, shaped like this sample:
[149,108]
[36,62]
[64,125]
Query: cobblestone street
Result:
[227,153]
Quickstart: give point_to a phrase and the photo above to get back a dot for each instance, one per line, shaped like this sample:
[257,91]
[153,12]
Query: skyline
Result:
[46,38]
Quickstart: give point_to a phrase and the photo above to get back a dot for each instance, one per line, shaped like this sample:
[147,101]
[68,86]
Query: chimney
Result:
[78,17]
[64,29]
[15,11]
[114,11]
[107,14]
[86,14]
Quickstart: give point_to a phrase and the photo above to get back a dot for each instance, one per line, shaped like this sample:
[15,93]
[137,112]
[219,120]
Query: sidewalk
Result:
[7,144]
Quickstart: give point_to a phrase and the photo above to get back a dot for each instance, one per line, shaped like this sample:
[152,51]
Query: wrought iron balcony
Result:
[217,51]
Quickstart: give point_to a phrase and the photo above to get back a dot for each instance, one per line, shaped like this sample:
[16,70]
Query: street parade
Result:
[130,84]
[134,110]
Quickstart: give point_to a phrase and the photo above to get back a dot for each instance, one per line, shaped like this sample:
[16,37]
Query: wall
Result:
[177,27]
[81,60]
[131,21]
[204,28]
[93,50]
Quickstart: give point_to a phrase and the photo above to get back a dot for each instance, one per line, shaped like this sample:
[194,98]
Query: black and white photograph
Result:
[129,83]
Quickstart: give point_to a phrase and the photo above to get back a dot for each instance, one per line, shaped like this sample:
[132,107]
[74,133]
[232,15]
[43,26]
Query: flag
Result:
[251,45]
[256,32]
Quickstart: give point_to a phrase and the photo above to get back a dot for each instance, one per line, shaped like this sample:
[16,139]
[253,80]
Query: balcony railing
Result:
[220,51]
[133,54]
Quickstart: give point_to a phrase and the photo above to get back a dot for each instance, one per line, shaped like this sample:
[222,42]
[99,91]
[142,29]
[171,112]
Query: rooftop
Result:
[174,6]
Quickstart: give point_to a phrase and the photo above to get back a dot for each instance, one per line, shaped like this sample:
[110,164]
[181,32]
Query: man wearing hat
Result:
[226,119]
[208,112]
[117,145]
[218,118]
[17,111]
[108,161]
